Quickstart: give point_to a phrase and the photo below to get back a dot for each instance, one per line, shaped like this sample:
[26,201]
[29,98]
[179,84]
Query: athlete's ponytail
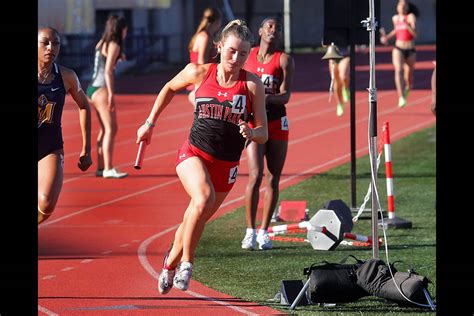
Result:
[238,28]
[209,16]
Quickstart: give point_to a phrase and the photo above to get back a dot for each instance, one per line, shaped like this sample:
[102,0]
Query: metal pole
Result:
[300,295]
[371,26]
[286,25]
[352,79]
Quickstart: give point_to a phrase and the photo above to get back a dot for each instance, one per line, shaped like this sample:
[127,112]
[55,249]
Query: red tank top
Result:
[271,75]
[401,29]
[212,58]
[193,57]
[217,114]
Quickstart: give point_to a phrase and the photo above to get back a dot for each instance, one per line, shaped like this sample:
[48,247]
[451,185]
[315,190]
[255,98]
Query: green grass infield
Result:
[256,275]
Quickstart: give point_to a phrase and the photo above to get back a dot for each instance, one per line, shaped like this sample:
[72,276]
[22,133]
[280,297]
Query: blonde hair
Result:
[238,28]
[209,16]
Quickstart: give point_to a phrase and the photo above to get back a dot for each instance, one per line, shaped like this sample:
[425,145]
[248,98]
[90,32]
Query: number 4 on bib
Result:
[239,103]
[267,81]
[284,123]
[233,174]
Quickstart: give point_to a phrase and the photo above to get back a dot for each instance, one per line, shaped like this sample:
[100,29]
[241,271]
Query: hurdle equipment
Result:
[291,211]
[281,229]
[392,221]
[327,228]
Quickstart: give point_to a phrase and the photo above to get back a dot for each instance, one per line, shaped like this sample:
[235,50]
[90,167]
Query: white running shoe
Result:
[250,241]
[402,102]
[114,173]
[165,280]
[264,241]
[183,275]
[339,109]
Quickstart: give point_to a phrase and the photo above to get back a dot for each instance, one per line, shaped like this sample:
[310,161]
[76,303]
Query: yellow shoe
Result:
[345,94]
[339,109]
[402,102]
[406,92]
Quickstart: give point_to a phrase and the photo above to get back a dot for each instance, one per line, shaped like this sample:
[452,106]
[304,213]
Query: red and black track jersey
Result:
[271,75]
[218,111]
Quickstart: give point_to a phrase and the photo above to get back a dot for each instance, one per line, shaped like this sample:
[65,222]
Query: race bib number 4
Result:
[284,123]
[267,81]
[239,103]
[233,174]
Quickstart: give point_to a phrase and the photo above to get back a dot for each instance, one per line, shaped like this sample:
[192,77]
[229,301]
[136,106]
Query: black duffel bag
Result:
[375,278]
[334,282]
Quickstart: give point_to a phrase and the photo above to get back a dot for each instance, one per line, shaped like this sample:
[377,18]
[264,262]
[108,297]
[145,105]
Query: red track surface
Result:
[101,251]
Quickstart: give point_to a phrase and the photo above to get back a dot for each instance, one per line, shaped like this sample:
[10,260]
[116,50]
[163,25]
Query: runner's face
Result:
[402,7]
[48,45]
[234,52]
[270,31]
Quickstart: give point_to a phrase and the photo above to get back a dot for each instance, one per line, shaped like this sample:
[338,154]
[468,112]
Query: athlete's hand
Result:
[85,162]
[245,130]
[144,133]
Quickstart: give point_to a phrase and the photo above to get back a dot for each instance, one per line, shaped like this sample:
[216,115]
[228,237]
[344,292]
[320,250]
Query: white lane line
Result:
[48,277]
[107,252]
[67,269]
[87,261]
[90,208]
[46,311]
[142,257]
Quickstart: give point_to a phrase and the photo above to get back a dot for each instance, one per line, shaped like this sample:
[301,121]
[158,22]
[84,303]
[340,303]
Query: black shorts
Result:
[406,52]
[49,140]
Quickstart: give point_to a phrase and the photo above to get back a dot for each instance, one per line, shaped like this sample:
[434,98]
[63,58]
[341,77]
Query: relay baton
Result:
[140,155]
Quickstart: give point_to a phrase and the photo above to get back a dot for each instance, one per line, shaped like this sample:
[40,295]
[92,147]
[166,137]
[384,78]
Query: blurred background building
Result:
[159,30]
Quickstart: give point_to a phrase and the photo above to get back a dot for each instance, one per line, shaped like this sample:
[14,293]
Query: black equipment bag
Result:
[375,278]
[334,282]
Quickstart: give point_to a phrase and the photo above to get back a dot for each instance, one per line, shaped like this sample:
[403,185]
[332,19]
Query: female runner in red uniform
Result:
[208,161]
[403,53]
[275,70]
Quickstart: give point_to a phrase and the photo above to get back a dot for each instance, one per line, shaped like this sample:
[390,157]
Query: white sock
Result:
[262,231]
[250,231]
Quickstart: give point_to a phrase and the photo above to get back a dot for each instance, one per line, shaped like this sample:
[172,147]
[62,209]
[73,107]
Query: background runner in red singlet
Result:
[201,47]
[403,53]
[54,82]
[275,69]
[207,163]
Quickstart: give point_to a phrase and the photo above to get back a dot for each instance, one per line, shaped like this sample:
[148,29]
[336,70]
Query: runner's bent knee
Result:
[46,204]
